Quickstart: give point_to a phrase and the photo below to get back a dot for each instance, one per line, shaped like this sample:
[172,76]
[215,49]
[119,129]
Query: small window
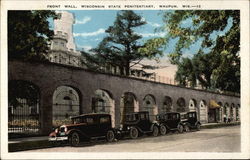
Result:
[90,120]
[148,102]
[166,116]
[190,115]
[130,117]
[67,98]
[174,116]
[76,120]
[104,120]
[143,117]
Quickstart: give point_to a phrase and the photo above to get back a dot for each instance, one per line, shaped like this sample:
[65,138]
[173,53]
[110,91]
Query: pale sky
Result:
[90,25]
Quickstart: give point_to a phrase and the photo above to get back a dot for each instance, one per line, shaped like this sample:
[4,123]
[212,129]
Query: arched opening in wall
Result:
[220,112]
[213,111]
[23,107]
[225,109]
[149,104]
[203,111]
[66,103]
[167,104]
[103,102]
[193,105]
[128,104]
[232,112]
[181,105]
[225,112]
[237,112]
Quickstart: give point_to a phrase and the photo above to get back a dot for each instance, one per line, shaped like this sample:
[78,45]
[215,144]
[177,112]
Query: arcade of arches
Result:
[45,95]
[66,103]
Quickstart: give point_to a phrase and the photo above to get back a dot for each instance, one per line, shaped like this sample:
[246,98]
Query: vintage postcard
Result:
[125,79]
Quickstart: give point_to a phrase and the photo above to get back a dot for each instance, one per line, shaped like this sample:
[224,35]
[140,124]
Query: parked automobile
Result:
[170,121]
[138,123]
[85,127]
[190,121]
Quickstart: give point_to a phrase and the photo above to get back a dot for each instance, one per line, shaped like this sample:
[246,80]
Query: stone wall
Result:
[47,77]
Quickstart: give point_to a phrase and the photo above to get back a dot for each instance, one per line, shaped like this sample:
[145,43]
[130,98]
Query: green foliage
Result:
[122,47]
[29,34]
[22,90]
[220,67]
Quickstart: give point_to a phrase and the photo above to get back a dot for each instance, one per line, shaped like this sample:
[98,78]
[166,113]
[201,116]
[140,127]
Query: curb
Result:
[29,145]
[218,125]
[40,144]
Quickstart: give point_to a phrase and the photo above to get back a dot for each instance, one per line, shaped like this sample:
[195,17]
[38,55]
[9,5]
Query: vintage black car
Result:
[190,121]
[85,127]
[138,123]
[170,121]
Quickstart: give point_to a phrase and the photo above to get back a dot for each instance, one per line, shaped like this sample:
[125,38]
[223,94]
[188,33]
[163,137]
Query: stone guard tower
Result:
[65,24]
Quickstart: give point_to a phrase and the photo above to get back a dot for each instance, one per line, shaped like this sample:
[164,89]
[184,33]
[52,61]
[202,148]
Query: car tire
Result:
[186,128]
[180,128]
[133,133]
[163,129]
[198,127]
[74,139]
[110,136]
[155,131]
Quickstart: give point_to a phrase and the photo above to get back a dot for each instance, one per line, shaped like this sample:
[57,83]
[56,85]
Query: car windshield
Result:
[131,117]
[184,116]
[192,115]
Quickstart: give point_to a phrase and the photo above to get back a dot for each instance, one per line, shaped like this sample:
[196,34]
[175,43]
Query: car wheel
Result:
[180,128]
[155,131]
[74,139]
[198,127]
[186,128]
[163,130]
[133,133]
[110,136]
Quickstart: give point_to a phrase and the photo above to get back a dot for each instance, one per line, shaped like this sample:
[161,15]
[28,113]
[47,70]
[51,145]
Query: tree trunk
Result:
[127,68]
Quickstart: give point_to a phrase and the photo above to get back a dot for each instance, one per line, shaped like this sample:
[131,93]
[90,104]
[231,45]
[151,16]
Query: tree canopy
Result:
[28,39]
[123,47]
[216,65]
[29,34]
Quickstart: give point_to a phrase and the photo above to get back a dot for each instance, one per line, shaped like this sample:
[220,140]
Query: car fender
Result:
[186,123]
[78,131]
[154,124]
[198,122]
[52,134]
[181,123]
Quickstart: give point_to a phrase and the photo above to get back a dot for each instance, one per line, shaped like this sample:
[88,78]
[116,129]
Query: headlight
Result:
[56,130]
[65,129]
[128,128]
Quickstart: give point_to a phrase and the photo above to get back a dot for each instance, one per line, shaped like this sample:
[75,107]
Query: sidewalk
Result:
[28,143]
[28,139]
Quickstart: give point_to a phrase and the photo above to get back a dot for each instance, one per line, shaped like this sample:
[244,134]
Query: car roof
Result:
[91,114]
